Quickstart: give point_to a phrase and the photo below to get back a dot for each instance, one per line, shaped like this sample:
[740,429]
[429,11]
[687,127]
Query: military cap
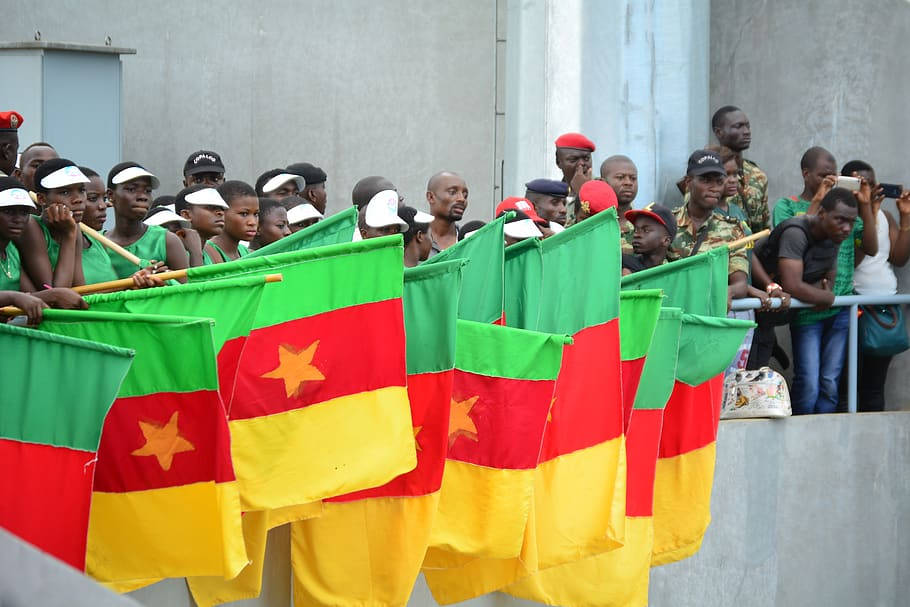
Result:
[10,121]
[575,140]
[596,196]
[549,186]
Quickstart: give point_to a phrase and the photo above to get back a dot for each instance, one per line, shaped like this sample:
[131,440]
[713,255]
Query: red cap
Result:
[596,196]
[575,140]
[10,121]
[516,203]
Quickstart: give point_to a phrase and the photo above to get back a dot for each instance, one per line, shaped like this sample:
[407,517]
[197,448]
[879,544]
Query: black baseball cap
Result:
[658,213]
[705,162]
[203,161]
[311,173]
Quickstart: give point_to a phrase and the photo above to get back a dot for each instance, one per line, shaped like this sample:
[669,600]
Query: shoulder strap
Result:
[698,242]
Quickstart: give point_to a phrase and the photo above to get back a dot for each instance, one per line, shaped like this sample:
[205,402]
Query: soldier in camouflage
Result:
[699,229]
[732,129]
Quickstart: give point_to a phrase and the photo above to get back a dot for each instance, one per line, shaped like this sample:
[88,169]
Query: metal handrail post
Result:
[852,343]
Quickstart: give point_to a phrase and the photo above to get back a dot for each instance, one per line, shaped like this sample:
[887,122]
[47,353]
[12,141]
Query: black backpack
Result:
[816,259]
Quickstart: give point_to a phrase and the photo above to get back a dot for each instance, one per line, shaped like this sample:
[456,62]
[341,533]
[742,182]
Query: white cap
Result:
[556,228]
[280,179]
[162,217]
[302,212]
[130,173]
[208,197]
[62,177]
[469,234]
[523,228]
[172,207]
[421,217]
[16,197]
[382,211]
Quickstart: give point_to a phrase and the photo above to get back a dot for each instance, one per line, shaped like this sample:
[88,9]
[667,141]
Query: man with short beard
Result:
[447,195]
[732,129]
[622,175]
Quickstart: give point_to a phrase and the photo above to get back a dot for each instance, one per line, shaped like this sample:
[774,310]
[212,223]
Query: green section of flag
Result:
[707,345]
[231,303]
[318,280]
[581,269]
[497,351]
[523,276]
[337,229]
[482,285]
[697,284]
[430,302]
[57,389]
[659,373]
[163,344]
[638,314]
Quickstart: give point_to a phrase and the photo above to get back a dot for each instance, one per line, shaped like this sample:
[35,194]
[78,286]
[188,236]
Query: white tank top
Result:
[874,275]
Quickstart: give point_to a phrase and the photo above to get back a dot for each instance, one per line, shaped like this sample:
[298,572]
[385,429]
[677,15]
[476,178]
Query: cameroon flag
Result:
[58,391]
[685,468]
[483,276]
[580,478]
[367,547]
[503,390]
[523,272]
[320,405]
[620,577]
[165,500]
[337,229]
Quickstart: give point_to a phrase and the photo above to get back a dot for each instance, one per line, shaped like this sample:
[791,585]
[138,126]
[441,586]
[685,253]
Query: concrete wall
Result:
[806,511]
[395,88]
[819,72]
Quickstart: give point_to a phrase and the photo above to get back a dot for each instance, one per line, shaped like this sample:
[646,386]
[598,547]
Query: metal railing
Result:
[853,301]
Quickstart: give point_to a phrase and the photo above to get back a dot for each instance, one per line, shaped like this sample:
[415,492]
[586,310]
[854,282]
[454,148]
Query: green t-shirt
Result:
[843,282]
[151,245]
[9,269]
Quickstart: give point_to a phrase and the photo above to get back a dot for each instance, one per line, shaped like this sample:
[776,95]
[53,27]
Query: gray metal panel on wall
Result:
[82,107]
[21,71]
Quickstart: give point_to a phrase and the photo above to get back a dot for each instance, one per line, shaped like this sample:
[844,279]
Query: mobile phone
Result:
[891,190]
[848,183]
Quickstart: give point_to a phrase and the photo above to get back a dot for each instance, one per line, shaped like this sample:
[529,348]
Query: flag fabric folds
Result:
[503,390]
[482,284]
[337,229]
[321,389]
[620,577]
[368,546]
[523,271]
[165,499]
[59,391]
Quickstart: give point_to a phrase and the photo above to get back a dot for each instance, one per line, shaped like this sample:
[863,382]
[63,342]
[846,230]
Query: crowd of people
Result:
[826,241]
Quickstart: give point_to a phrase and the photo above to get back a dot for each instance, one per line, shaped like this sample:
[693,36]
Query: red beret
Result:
[596,196]
[516,203]
[10,121]
[575,140]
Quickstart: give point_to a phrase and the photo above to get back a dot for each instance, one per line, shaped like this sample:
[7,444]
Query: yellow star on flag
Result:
[460,423]
[163,441]
[417,430]
[295,367]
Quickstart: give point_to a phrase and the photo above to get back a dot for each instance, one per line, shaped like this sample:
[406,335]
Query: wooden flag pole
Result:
[113,246]
[748,240]
[121,285]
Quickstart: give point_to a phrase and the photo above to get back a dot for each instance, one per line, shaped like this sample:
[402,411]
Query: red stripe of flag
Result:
[56,485]
[691,417]
[642,441]
[332,343]
[631,376]
[195,438]
[587,410]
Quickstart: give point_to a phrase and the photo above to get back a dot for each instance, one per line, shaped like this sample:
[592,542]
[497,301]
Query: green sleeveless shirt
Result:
[9,269]
[242,250]
[151,245]
[96,265]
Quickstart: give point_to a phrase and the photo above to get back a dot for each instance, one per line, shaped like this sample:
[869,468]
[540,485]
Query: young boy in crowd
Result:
[129,188]
[241,222]
[654,230]
[205,209]
[273,223]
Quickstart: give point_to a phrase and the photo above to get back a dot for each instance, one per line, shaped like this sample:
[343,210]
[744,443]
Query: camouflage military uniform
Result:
[571,204]
[754,200]
[626,231]
[720,231]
